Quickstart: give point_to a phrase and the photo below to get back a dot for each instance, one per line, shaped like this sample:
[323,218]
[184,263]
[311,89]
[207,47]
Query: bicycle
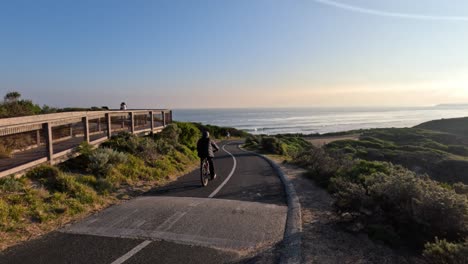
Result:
[205,172]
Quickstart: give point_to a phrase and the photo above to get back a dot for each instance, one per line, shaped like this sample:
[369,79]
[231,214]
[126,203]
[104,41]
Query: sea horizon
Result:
[318,120]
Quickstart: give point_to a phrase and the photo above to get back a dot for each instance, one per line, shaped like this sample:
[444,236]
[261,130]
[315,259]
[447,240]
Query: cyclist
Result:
[206,149]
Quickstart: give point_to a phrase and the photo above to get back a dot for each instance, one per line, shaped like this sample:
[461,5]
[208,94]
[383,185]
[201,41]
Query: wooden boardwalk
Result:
[58,138]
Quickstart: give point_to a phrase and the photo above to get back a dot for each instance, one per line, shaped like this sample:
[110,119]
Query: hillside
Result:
[457,126]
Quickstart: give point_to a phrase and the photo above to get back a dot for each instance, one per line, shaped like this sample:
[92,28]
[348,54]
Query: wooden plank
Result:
[151,113]
[132,122]
[85,122]
[23,167]
[49,142]
[109,125]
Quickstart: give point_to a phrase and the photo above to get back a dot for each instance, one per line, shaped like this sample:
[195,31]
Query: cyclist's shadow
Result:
[174,188]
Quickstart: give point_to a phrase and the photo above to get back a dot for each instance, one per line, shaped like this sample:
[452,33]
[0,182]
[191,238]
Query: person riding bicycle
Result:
[206,149]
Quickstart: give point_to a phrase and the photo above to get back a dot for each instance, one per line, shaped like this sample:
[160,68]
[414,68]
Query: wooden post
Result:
[38,137]
[151,114]
[47,127]
[163,115]
[86,128]
[132,122]
[109,125]
[99,124]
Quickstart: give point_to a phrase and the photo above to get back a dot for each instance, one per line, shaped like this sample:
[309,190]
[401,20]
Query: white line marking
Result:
[228,177]
[132,252]
[171,221]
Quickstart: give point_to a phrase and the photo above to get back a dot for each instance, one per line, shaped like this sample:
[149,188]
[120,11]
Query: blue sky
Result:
[243,53]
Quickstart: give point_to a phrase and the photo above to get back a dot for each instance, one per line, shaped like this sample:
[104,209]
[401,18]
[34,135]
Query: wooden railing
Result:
[53,138]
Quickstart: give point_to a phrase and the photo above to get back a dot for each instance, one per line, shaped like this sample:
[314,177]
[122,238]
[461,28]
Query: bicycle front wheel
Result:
[204,173]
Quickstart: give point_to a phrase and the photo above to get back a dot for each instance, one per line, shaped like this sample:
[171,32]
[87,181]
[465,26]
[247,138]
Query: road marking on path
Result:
[132,252]
[177,216]
[228,177]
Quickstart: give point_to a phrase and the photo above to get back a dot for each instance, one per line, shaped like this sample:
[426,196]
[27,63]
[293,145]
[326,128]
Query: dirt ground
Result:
[321,141]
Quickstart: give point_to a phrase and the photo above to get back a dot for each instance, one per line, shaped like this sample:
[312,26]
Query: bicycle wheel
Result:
[204,172]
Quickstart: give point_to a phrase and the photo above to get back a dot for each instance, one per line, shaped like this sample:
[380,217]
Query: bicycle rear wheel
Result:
[204,172]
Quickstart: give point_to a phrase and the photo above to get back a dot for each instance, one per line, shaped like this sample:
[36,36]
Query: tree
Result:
[12,97]
[13,106]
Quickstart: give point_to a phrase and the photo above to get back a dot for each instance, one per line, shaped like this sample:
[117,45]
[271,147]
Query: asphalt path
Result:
[237,216]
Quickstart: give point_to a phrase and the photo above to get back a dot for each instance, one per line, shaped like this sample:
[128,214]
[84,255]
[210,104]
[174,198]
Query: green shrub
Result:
[385,233]
[252,141]
[272,145]
[43,172]
[123,142]
[221,132]
[4,212]
[46,175]
[458,150]
[170,133]
[460,188]
[68,183]
[148,150]
[89,180]
[189,134]
[85,149]
[419,208]
[322,165]
[5,152]
[444,252]
[104,186]
[102,160]
[12,184]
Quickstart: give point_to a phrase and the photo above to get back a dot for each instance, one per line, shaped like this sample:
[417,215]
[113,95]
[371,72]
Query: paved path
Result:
[235,217]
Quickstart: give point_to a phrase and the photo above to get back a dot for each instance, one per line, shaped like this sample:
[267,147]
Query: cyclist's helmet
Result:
[206,134]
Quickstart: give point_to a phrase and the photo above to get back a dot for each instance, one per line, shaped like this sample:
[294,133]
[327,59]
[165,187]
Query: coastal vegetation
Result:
[14,106]
[126,165]
[406,187]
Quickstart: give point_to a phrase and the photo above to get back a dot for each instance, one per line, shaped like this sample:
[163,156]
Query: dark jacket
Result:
[206,148]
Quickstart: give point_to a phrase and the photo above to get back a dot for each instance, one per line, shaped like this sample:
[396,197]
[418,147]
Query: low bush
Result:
[12,184]
[123,142]
[320,165]
[189,135]
[222,132]
[377,193]
[444,252]
[103,160]
[286,145]
[5,152]
[170,133]
[46,175]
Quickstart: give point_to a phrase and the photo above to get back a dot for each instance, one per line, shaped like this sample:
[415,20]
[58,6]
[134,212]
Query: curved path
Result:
[236,216]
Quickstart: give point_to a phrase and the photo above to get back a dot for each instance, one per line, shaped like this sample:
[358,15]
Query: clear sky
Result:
[235,53]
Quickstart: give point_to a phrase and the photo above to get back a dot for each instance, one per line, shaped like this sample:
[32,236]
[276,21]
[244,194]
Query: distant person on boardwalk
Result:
[206,149]
[228,135]
[123,106]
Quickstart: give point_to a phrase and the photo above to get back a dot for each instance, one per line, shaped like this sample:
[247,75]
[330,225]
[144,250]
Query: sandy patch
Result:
[321,141]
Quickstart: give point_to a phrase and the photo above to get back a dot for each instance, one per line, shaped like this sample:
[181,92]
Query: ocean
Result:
[316,120]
